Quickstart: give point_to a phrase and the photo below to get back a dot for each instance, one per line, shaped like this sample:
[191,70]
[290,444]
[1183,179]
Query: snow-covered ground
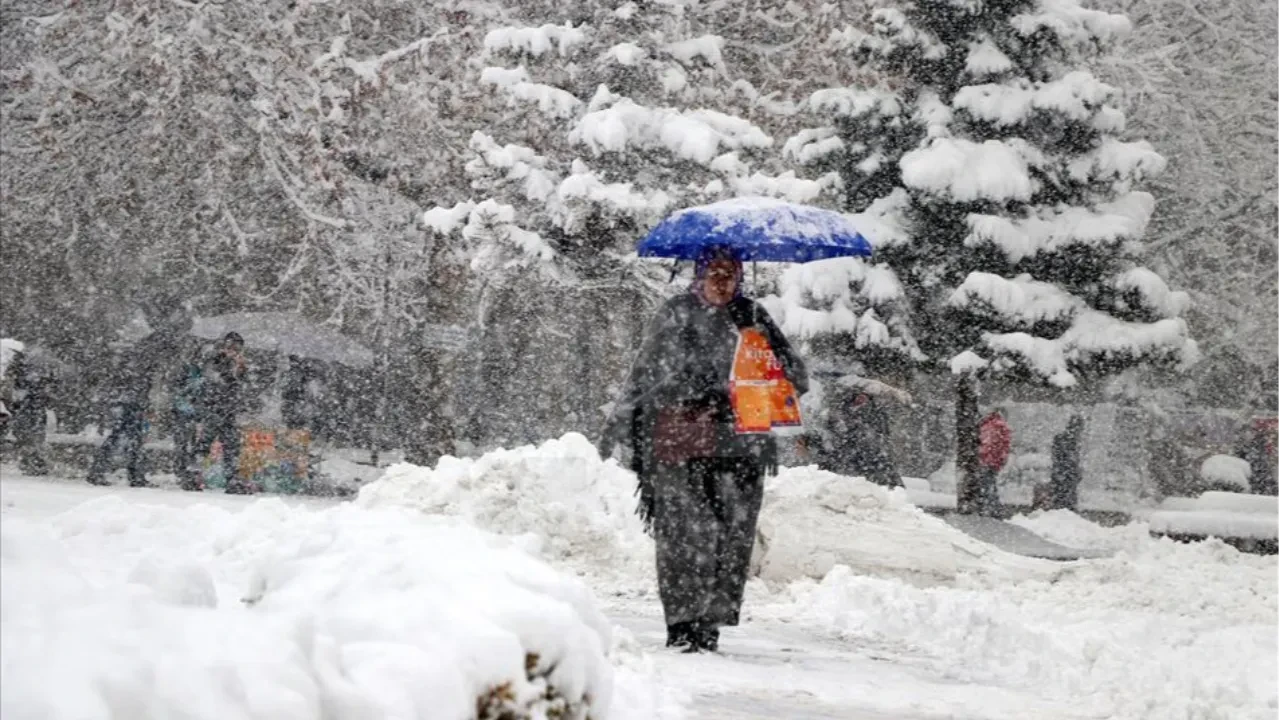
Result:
[900,615]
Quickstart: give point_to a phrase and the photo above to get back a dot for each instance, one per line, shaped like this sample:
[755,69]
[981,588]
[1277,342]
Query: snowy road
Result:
[768,668]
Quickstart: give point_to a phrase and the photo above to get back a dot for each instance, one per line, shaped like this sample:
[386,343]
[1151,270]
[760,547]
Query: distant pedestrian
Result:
[128,398]
[32,384]
[995,441]
[1259,448]
[859,432]
[223,377]
[1064,473]
[186,401]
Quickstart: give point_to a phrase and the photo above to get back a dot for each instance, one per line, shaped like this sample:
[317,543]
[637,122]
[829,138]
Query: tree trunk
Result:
[967,490]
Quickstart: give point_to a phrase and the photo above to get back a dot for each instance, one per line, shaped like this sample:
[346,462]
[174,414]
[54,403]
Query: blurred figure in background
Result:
[995,441]
[222,382]
[1065,473]
[186,400]
[128,396]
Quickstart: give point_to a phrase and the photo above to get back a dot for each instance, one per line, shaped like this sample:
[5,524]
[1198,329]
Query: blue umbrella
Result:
[756,228]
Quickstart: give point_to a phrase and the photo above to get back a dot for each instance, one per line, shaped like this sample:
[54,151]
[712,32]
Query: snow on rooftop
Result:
[966,171]
[535,40]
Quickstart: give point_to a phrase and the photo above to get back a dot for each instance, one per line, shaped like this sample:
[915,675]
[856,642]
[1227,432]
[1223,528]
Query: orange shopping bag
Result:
[763,399]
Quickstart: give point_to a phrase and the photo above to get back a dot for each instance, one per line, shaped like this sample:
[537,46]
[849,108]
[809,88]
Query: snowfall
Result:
[519,584]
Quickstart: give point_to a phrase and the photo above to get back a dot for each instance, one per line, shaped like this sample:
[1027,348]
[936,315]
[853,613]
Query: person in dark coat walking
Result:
[32,384]
[128,398]
[995,441]
[223,378]
[1259,450]
[701,482]
[858,431]
[186,400]
[1064,473]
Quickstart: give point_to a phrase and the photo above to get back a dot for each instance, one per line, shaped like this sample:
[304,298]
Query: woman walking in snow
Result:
[681,422]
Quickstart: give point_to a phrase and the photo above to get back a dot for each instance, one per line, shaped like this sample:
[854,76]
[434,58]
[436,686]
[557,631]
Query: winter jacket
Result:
[685,361]
[187,390]
[995,440]
[130,384]
[223,379]
[1065,475]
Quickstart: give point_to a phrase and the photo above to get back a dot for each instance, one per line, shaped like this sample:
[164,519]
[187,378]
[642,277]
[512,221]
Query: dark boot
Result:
[680,636]
[98,480]
[706,638]
[191,484]
[140,482]
[239,487]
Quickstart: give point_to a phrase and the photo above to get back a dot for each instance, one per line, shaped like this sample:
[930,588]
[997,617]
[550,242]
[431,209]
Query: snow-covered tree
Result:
[603,117]
[1015,224]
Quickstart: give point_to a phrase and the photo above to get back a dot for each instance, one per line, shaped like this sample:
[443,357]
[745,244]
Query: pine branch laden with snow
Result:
[1015,214]
[630,115]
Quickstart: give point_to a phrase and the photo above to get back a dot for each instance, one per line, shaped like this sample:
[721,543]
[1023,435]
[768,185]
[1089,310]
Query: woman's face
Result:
[720,283]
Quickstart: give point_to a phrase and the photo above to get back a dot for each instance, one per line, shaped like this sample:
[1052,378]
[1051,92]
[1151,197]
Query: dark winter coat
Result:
[1065,474]
[223,379]
[1259,452]
[130,384]
[995,440]
[685,361]
[859,438]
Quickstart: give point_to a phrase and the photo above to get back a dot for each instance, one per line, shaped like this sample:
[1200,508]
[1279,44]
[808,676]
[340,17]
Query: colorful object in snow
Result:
[763,399]
[756,229]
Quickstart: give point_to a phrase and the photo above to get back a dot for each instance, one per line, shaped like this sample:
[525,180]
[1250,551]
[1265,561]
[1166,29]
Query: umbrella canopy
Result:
[287,333]
[756,228]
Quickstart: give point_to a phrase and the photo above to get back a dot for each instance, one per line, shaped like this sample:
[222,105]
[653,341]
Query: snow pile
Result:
[1056,229]
[1226,470]
[131,611]
[576,507]
[1022,300]
[1219,514]
[1167,632]
[1070,530]
[814,520]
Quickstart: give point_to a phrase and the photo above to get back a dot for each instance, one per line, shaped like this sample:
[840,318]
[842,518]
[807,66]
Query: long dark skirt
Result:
[705,526]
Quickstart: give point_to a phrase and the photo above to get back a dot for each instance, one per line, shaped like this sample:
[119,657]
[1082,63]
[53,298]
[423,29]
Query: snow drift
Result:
[814,520]
[131,611]
[1161,630]
[566,501]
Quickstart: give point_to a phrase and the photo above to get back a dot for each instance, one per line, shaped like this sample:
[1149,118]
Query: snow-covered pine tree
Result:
[1015,224]
[606,115]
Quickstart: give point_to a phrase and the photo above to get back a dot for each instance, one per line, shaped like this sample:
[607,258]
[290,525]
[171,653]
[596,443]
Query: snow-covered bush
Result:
[132,612]
[1226,471]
